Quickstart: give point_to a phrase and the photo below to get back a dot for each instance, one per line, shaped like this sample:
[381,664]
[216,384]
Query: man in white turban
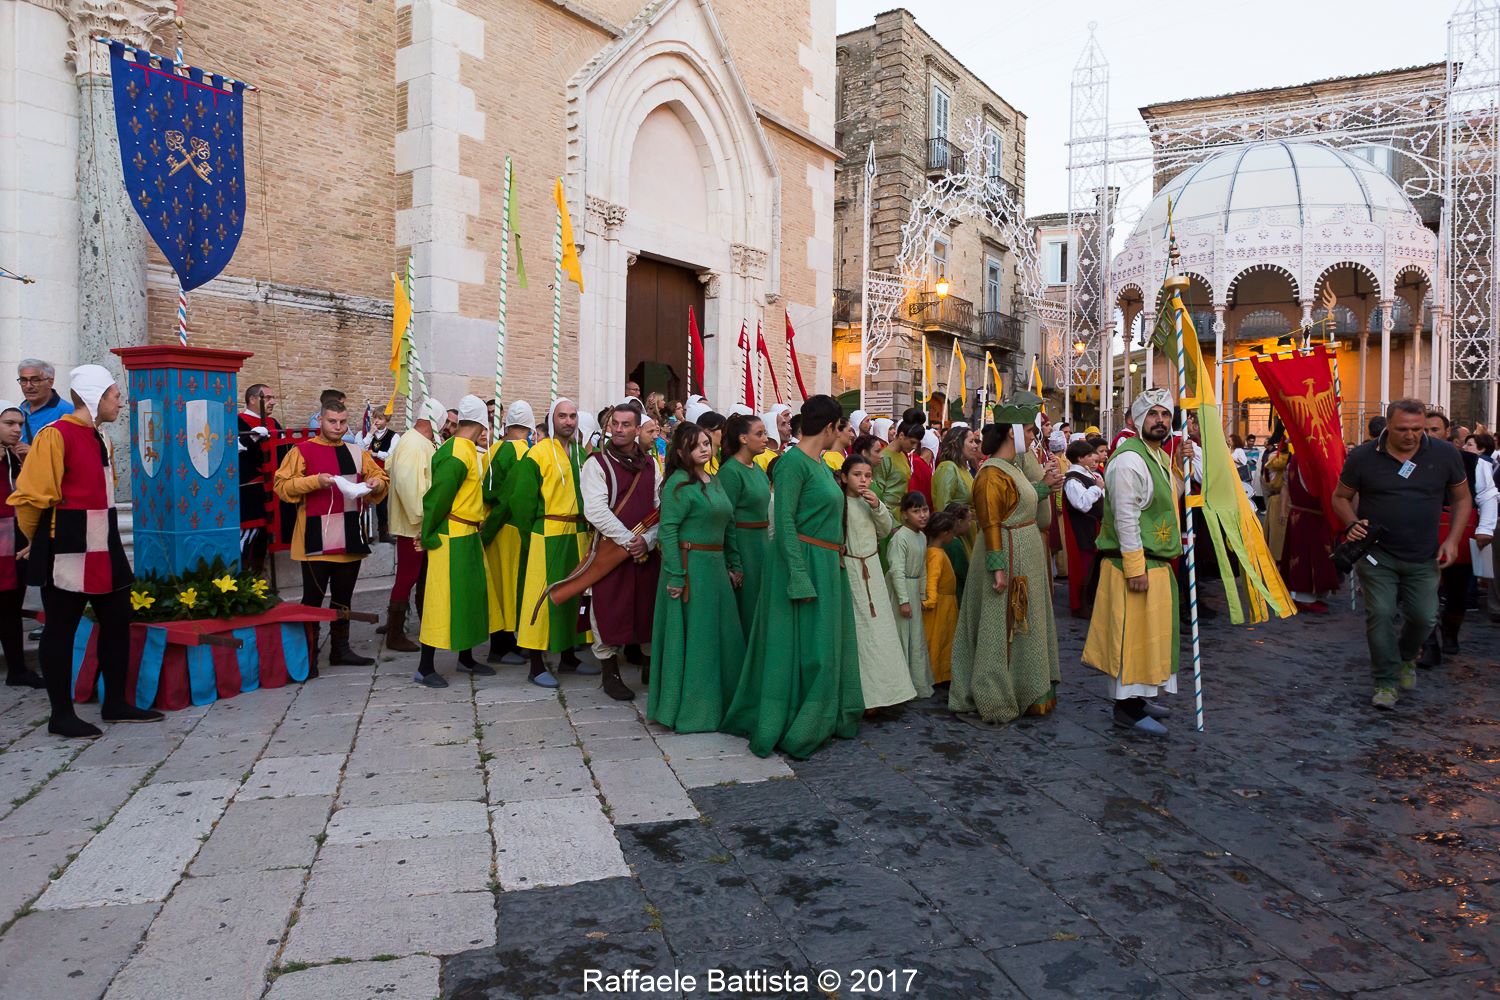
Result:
[1138,540]
[504,545]
[410,472]
[64,503]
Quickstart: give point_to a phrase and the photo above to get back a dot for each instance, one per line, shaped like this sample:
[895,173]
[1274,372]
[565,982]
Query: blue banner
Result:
[182,149]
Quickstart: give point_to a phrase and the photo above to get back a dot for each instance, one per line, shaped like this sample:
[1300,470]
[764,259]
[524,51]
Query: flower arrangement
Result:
[209,591]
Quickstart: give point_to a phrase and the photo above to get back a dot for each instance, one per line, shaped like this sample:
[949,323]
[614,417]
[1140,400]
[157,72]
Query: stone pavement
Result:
[362,837]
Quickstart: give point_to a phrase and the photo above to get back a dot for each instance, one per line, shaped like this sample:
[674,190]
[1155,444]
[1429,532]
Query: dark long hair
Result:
[735,431]
[951,448]
[993,437]
[684,439]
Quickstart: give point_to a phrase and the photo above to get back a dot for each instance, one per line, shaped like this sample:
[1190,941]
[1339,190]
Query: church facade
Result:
[694,140]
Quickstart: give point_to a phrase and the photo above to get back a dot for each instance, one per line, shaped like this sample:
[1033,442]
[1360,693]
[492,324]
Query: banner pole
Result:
[556,298]
[182,333]
[1192,563]
[499,420]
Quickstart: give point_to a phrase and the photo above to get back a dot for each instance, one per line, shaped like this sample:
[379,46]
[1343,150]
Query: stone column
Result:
[1148,324]
[111,240]
[1219,353]
[1386,322]
[1364,377]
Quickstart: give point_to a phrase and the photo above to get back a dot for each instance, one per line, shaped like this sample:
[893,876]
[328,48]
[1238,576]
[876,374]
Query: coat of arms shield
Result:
[149,435]
[205,435]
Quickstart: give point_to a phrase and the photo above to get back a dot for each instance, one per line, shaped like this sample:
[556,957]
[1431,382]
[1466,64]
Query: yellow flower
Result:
[188,598]
[140,600]
[226,583]
[259,588]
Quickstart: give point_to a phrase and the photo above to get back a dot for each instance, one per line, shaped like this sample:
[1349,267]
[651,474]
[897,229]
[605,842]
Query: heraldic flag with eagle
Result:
[183,155]
[1231,520]
[1301,390]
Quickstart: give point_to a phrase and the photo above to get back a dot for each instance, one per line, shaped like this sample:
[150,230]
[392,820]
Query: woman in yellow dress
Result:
[940,601]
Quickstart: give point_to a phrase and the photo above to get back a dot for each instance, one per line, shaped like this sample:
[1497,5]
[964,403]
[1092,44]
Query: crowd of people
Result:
[785,576]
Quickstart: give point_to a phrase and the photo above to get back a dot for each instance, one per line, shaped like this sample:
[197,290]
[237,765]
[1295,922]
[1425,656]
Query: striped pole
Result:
[690,355]
[416,375]
[500,322]
[557,301]
[1192,561]
[182,337]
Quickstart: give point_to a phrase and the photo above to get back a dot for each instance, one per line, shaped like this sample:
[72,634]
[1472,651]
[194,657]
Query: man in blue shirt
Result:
[42,405]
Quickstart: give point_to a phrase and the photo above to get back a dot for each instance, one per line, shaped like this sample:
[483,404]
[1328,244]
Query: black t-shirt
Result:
[1409,507]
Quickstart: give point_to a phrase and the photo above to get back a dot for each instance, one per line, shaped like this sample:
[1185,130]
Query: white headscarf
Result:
[695,408]
[89,383]
[741,410]
[6,404]
[1142,404]
[856,418]
[471,409]
[769,419]
[931,442]
[519,415]
[881,428]
[434,412]
[588,430]
[552,411]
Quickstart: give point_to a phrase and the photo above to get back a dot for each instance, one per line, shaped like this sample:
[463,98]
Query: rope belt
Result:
[831,546]
[1017,605]
[685,548]
[864,569]
[751,525]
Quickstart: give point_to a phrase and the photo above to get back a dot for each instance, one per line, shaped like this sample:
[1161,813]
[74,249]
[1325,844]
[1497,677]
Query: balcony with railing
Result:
[1004,186]
[847,307]
[943,157]
[1002,330]
[945,313]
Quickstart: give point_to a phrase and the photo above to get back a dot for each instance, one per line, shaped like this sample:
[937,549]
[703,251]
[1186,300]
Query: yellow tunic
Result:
[557,542]
[940,613]
[502,556]
[455,556]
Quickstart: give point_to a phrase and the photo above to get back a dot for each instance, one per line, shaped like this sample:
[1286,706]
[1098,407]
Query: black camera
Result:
[1347,554]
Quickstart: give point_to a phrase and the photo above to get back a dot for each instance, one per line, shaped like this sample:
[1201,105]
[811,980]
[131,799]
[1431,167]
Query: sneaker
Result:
[432,680]
[1408,679]
[476,668]
[1384,698]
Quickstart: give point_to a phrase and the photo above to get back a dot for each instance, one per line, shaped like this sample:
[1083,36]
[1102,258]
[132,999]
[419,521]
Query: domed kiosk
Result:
[1263,230]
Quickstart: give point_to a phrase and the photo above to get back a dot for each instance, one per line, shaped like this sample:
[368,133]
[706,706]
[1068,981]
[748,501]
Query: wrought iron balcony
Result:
[847,307]
[950,313]
[998,329]
[1005,187]
[944,157]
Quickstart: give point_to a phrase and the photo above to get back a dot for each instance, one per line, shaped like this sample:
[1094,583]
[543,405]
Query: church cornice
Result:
[138,22]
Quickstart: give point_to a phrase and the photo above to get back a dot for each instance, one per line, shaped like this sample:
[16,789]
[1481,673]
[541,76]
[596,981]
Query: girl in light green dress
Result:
[907,579]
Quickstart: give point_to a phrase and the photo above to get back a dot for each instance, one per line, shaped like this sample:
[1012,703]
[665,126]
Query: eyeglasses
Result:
[38,380]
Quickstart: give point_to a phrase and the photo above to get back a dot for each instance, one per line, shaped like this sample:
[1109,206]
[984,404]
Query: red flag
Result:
[695,353]
[1300,386]
[765,352]
[791,350]
[744,345]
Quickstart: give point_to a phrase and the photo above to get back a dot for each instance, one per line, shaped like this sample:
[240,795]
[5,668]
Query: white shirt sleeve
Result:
[1130,490]
[1080,496]
[596,505]
[1488,498]
[650,533]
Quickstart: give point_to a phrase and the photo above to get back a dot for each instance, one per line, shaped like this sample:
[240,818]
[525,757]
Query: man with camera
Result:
[1401,479]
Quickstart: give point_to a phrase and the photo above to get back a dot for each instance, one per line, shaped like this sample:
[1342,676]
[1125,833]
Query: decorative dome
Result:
[1276,183]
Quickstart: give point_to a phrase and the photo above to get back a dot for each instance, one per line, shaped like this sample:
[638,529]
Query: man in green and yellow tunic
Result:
[546,507]
[504,547]
[1133,635]
[459,609]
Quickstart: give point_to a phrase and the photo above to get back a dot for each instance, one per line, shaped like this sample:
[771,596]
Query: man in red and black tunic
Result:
[65,505]
[12,569]
[328,479]
[255,425]
[620,488]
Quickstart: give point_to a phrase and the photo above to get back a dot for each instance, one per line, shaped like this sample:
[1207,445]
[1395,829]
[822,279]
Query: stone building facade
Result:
[899,88]
[696,149]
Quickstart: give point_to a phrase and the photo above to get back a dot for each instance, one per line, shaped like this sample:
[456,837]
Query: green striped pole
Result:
[500,324]
[417,377]
[557,252]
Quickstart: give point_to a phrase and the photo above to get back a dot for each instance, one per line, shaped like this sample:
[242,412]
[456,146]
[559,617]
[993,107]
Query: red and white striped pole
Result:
[182,337]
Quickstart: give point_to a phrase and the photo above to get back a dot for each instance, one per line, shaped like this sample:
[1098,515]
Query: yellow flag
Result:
[926,366]
[400,320]
[989,360]
[570,265]
[1198,373]
[1036,375]
[963,372]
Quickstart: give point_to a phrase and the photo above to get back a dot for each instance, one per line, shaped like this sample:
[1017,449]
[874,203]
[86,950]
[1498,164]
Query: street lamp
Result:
[1079,347]
[942,288]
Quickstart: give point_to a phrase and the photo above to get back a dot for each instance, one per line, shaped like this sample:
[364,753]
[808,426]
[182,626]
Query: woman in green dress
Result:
[952,480]
[697,644]
[1005,651]
[800,684]
[749,490]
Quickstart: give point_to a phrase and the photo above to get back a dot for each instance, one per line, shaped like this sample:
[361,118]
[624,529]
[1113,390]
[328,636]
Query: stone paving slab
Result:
[95,944]
[263,834]
[28,864]
[530,734]
[129,745]
[75,801]
[437,925]
[414,978]
[699,746]
[505,691]
[375,789]
[203,756]
[420,714]
[642,791]
[416,734]
[140,856]
[639,747]
[385,759]
[214,940]
[406,821]
[509,712]
[346,872]
[278,777]
[557,841]
[305,737]
[745,769]
[538,774]
[23,770]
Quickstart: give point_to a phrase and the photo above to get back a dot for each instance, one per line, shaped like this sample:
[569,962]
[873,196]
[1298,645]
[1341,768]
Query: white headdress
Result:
[89,383]
[552,412]
[519,415]
[471,409]
[1143,403]
[434,412]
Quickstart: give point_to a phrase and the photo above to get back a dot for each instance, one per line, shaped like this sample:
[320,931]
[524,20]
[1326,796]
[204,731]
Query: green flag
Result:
[510,221]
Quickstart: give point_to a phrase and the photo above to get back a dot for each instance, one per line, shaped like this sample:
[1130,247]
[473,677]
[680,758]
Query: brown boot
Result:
[340,653]
[395,630]
[612,684]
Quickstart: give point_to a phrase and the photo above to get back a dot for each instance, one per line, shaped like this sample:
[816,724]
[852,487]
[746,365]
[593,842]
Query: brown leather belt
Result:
[831,546]
[751,525]
[465,520]
[564,518]
[685,548]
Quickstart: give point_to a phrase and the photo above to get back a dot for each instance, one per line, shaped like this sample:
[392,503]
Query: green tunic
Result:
[697,644]
[892,477]
[749,490]
[958,555]
[800,682]
[459,608]
[547,509]
[1005,650]
[504,546]
[952,482]
[907,580]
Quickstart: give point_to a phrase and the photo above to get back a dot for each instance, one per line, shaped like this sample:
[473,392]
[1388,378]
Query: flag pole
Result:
[496,427]
[557,272]
[689,392]
[415,373]
[1176,285]
[182,336]
[864,294]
